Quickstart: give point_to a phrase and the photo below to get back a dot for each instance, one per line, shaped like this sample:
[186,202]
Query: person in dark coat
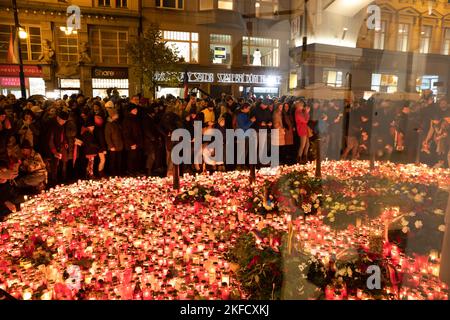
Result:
[114,141]
[57,146]
[152,139]
[99,134]
[90,145]
[132,136]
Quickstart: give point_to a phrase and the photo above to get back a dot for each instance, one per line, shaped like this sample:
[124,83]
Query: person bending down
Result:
[32,171]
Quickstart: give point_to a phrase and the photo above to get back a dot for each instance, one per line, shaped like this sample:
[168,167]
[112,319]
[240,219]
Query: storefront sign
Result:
[229,78]
[220,53]
[245,78]
[110,73]
[12,82]
[193,77]
[7,70]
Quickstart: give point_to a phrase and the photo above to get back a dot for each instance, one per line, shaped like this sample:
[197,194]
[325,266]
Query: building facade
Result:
[232,47]
[406,50]
[229,46]
[61,61]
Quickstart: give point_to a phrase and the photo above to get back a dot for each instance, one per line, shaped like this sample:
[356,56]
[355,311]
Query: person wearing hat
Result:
[57,146]
[33,173]
[132,137]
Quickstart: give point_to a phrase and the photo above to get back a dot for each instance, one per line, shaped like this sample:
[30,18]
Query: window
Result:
[386,83]
[403,37]
[220,48]
[425,39]
[31,46]
[109,46]
[427,83]
[446,48]
[170,4]
[104,3]
[380,36]
[333,78]
[67,50]
[225,4]
[206,4]
[186,43]
[121,3]
[265,8]
[261,52]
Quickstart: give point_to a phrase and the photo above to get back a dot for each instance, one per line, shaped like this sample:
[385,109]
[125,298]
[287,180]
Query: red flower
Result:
[253,262]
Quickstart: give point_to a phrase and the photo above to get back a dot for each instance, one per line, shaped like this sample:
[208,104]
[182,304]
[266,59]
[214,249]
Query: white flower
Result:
[307,207]
[441,228]
[329,199]
[418,224]
[415,190]
[405,230]
[412,214]
[439,212]
[418,198]
[405,222]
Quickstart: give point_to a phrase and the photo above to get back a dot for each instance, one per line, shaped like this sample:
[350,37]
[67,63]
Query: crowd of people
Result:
[44,143]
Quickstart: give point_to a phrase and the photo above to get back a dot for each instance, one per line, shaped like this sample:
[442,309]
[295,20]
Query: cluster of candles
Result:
[132,242]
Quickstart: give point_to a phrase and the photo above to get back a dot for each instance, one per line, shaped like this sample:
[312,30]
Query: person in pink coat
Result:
[301,123]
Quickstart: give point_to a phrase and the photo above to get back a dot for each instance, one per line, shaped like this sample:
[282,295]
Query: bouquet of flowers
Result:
[197,193]
[298,194]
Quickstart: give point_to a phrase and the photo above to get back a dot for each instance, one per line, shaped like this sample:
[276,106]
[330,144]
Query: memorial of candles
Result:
[124,238]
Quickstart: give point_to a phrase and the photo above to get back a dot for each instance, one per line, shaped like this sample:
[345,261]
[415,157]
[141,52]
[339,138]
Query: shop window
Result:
[446,44]
[170,4]
[427,83]
[333,78]
[109,46]
[425,39]
[260,52]
[67,47]
[380,37]
[186,43]
[403,37]
[386,83]
[220,48]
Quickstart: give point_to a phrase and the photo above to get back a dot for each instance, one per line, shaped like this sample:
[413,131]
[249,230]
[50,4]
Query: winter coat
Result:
[278,124]
[132,132]
[288,129]
[28,132]
[152,135]
[56,140]
[113,135]
[90,144]
[301,121]
[243,121]
[99,134]
[262,115]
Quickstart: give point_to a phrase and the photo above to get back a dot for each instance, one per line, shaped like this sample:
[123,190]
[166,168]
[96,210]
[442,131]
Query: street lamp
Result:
[20,34]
